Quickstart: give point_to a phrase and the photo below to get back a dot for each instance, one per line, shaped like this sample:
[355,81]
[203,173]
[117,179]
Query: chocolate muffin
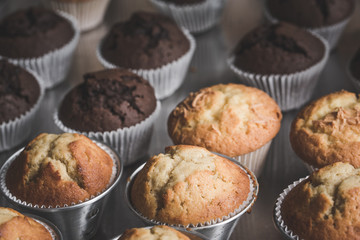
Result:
[311,13]
[278,49]
[19,91]
[33,32]
[107,100]
[145,41]
[355,65]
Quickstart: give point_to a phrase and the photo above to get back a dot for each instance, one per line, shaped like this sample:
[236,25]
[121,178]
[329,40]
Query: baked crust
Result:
[14,226]
[189,185]
[325,206]
[328,130]
[156,232]
[231,119]
[59,169]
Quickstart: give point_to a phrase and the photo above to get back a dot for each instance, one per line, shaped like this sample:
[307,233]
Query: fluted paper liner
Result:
[54,65]
[290,91]
[131,142]
[15,131]
[13,198]
[166,79]
[331,33]
[279,222]
[195,17]
[245,206]
[255,160]
[89,14]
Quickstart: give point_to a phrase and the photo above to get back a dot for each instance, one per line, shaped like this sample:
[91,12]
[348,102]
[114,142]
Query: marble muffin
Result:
[189,185]
[326,205]
[160,232]
[328,130]
[59,170]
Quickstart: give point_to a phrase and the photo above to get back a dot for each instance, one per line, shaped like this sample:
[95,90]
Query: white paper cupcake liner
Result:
[279,222]
[290,91]
[255,160]
[9,195]
[15,131]
[330,33]
[89,13]
[131,143]
[55,65]
[166,79]
[195,17]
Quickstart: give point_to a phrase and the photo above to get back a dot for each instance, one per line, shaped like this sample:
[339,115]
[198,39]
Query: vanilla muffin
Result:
[59,169]
[326,205]
[160,232]
[14,225]
[328,130]
[189,185]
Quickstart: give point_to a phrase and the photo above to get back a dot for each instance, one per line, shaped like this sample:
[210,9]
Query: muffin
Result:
[328,130]
[115,106]
[324,206]
[327,18]
[152,46]
[281,59]
[41,40]
[14,225]
[189,185]
[195,15]
[89,13]
[20,94]
[58,170]
[156,232]
[232,119]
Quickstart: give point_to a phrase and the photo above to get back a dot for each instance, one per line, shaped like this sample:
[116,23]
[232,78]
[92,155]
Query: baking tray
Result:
[207,68]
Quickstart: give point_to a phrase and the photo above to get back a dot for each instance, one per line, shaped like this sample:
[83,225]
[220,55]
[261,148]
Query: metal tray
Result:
[207,68]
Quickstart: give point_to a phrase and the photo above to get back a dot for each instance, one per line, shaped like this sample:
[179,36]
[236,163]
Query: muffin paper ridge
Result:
[290,91]
[53,66]
[279,222]
[12,132]
[165,79]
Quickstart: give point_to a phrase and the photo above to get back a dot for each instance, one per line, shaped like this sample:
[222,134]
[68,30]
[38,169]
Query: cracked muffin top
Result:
[326,205]
[59,169]
[278,49]
[328,130]
[311,13]
[107,100]
[19,91]
[160,232]
[14,225]
[33,32]
[189,185]
[145,41]
[230,119]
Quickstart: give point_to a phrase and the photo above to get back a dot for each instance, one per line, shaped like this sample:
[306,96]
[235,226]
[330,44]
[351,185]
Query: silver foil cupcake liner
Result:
[195,17]
[290,91]
[78,220]
[166,79]
[55,65]
[15,131]
[216,229]
[89,14]
[131,142]
[53,230]
[330,33]
[279,222]
[255,160]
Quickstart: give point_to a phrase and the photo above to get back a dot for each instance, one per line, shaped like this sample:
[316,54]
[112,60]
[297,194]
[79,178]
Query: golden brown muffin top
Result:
[14,225]
[328,130]
[189,185]
[160,232]
[325,206]
[231,119]
[59,169]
